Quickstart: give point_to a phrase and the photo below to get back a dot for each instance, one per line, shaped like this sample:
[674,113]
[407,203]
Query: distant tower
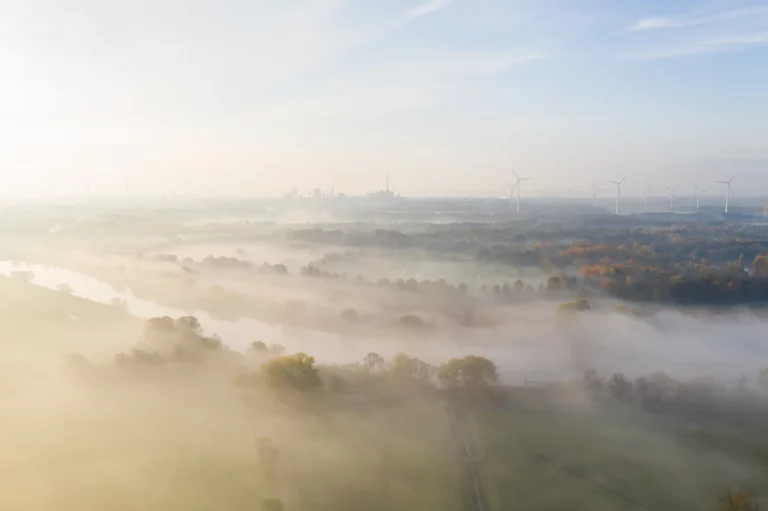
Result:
[387,182]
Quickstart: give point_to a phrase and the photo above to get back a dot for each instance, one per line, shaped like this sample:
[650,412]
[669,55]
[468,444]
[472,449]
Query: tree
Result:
[405,368]
[291,372]
[260,348]
[575,306]
[188,324]
[554,284]
[761,266]
[468,372]
[412,321]
[373,362]
[350,315]
[162,324]
[702,388]
[620,387]
[592,381]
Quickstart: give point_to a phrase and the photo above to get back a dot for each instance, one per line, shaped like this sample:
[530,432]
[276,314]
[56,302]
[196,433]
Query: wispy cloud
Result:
[725,44]
[424,9]
[692,20]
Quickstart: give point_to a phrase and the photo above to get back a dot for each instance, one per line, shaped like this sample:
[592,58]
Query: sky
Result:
[253,97]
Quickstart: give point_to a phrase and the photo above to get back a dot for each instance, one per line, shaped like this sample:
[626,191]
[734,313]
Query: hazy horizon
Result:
[448,96]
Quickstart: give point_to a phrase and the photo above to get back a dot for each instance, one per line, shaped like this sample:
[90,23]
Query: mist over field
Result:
[345,255]
[168,359]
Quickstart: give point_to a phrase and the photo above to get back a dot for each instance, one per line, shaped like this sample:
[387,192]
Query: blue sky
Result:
[256,96]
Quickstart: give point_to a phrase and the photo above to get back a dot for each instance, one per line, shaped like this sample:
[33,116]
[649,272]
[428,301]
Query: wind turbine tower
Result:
[517,187]
[698,195]
[511,193]
[728,191]
[671,196]
[648,188]
[618,192]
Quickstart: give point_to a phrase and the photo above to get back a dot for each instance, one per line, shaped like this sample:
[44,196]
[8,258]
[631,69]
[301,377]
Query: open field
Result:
[578,456]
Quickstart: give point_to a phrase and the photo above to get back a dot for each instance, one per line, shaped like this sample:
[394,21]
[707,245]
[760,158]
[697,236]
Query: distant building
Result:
[317,194]
[382,194]
[291,194]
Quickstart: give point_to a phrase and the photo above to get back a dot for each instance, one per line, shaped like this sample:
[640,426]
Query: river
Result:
[531,344]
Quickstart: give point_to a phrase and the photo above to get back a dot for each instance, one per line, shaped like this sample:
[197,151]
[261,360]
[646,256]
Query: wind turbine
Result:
[698,195]
[517,186]
[671,196]
[618,192]
[728,190]
[596,191]
[648,188]
[511,193]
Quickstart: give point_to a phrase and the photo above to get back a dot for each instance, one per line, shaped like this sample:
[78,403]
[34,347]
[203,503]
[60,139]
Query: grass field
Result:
[186,440]
[396,456]
[30,314]
[579,457]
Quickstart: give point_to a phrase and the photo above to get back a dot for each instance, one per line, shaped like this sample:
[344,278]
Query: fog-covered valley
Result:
[144,357]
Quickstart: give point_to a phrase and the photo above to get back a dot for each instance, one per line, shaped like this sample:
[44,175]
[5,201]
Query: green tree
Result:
[260,348]
[405,368]
[188,324]
[373,362]
[162,324]
[620,387]
[554,284]
[761,265]
[575,306]
[468,372]
[592,381]
[291,372]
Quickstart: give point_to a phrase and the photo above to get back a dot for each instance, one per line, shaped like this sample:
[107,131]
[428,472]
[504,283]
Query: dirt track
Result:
[468,460]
